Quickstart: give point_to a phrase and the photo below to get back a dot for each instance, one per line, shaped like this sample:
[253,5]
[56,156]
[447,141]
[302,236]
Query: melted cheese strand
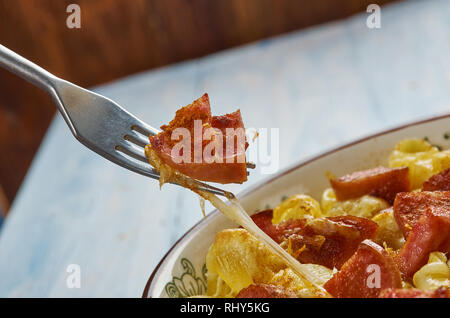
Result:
[202,206]
[236,212]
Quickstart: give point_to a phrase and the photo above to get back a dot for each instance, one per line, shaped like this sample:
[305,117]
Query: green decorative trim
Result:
[440,148]
[188,284]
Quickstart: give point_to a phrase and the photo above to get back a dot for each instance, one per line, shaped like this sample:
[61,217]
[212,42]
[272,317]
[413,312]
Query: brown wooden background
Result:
[120,37]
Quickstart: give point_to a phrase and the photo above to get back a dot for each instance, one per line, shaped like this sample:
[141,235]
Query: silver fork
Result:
[96,121]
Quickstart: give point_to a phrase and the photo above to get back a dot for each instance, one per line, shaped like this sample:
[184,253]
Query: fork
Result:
[96,121]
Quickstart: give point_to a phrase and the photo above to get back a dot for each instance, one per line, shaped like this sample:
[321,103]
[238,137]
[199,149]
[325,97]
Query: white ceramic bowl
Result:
[181,272]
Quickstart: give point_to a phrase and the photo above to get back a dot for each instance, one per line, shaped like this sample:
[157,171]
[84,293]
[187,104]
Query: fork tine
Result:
[132,152]
[206,187]
[144,169]
[136,139]
[144,129]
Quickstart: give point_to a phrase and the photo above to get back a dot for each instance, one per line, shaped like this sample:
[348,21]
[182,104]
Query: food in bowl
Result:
[381,232]
[352,244]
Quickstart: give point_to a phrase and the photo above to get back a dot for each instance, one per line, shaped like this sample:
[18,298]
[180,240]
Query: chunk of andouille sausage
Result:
[369,271]
[324,241]
[278,232]
[228,165]
[265,291]
[331,241]
[441,292]
[409,207]
[430,233]
[381,182]
[438,182]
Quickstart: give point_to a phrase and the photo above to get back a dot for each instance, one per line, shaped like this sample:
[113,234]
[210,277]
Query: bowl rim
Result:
[281,173]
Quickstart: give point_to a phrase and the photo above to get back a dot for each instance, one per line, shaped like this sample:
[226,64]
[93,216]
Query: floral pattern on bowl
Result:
[188,284]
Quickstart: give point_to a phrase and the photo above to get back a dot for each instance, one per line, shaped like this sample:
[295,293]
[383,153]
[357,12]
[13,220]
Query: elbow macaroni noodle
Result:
[296,207]
[434,274]
[366,206]
[422,159]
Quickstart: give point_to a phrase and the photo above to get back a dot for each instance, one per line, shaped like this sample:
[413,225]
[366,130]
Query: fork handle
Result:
[27,69]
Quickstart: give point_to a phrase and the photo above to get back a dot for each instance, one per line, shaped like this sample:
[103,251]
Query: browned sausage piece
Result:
[369,271]
[381,182]
[438,182]
[409,207]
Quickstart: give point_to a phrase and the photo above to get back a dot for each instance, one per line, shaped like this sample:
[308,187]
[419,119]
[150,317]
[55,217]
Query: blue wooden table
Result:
[321,87]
